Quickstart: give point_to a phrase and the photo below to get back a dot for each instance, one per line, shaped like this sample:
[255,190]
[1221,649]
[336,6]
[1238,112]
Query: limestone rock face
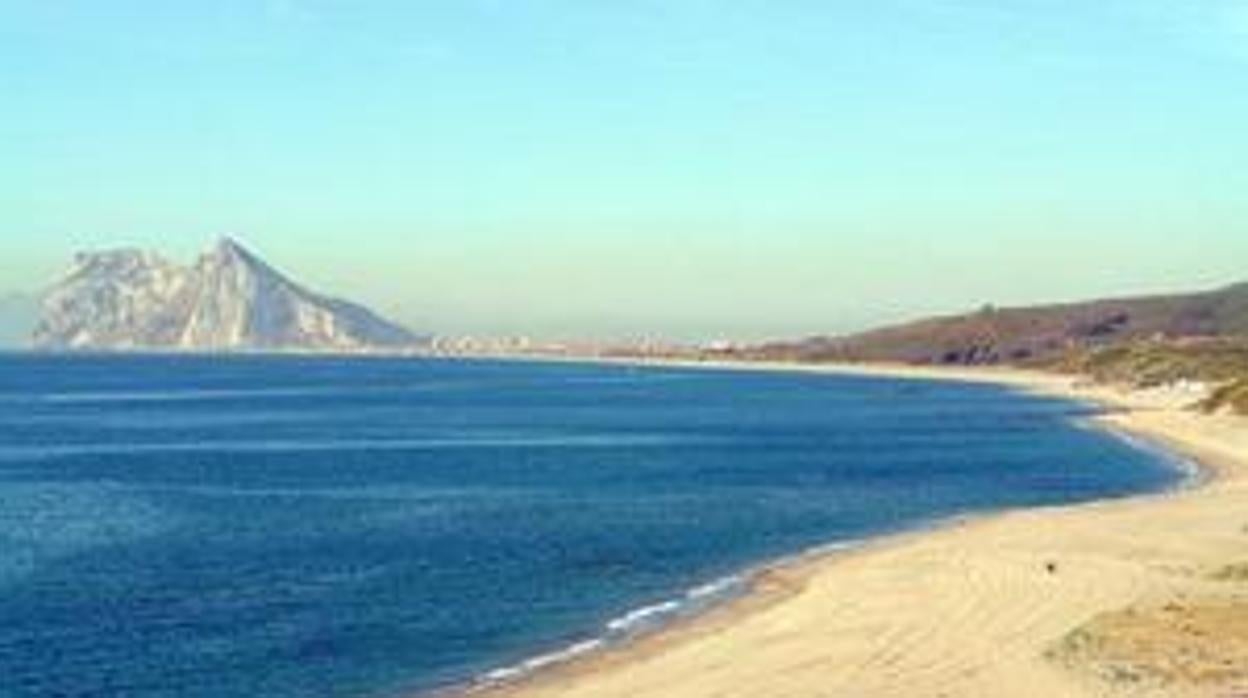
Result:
[229,300]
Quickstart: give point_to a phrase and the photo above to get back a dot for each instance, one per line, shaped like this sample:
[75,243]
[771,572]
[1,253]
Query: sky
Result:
[689,169]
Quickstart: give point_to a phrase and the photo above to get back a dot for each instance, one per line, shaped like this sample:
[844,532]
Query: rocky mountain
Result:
[228,300]
[1032,334]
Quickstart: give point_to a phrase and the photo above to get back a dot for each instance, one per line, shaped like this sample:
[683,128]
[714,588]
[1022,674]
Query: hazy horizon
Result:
[688,170]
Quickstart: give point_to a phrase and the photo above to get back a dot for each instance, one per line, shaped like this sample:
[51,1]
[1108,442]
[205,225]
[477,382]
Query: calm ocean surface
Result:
[278,527]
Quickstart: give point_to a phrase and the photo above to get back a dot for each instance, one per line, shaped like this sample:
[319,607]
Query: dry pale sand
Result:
[1069,601]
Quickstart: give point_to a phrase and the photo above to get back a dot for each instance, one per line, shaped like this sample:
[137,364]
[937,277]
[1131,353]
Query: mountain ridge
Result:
[228,299]
[1033,333]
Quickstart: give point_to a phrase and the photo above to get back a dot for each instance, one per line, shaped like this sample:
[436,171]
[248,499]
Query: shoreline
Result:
[656,663]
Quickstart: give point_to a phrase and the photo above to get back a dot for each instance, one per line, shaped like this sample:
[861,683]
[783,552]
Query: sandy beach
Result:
[1145,596]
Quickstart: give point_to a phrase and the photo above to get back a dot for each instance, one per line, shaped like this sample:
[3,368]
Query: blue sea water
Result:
[279,526]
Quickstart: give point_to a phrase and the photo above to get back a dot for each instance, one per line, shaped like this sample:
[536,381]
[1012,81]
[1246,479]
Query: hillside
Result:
[1221,364]
[1199,338]
[1146,364]
[1035,334]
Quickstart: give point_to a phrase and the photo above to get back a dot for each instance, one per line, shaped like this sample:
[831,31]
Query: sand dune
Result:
[1028,603]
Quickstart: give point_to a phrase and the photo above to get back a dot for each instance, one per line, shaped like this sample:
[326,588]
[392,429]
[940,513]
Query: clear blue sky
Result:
[691,167]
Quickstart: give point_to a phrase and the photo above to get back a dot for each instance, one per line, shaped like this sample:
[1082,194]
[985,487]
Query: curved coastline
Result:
[637,664]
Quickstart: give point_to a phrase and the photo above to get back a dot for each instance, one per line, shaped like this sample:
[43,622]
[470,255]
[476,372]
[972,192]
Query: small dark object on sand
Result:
[1050,567]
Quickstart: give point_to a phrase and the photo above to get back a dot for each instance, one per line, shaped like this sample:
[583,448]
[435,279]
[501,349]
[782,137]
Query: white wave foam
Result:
[643,617]
[716,588]
[543,661]
[626,627]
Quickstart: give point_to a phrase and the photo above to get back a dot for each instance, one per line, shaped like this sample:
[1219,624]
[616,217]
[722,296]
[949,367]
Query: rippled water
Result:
[183,526]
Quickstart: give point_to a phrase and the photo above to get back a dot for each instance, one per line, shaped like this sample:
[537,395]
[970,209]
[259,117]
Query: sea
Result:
[281,526]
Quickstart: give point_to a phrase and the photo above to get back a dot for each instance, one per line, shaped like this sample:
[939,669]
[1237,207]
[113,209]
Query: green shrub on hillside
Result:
[1145,364]
[1232,396]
